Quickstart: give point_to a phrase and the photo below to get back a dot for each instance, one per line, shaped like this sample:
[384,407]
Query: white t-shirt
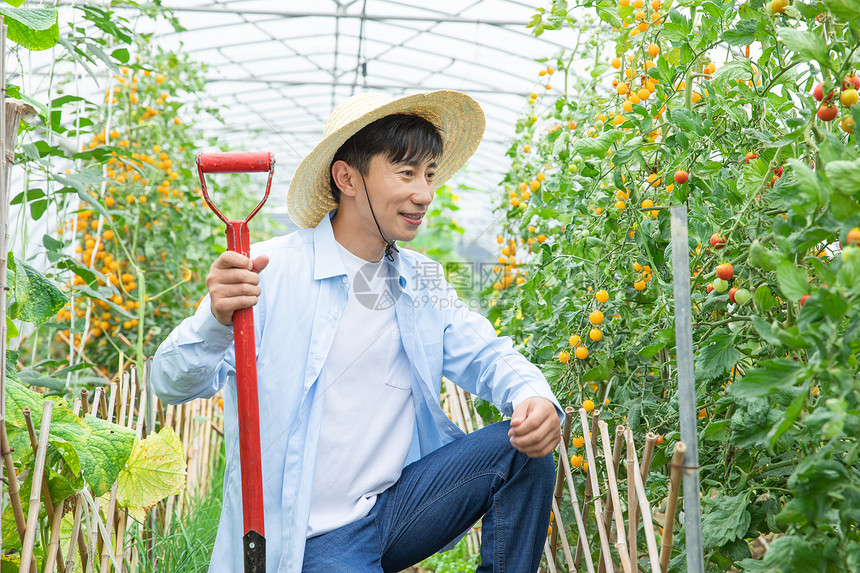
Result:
[368,402]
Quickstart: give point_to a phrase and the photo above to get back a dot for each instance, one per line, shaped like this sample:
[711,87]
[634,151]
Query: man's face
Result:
[400,194]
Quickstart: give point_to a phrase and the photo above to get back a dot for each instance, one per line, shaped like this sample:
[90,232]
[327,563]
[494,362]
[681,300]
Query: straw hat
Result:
[458,118]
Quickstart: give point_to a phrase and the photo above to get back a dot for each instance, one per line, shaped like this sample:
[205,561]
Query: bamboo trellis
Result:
[101,536]
[599,547]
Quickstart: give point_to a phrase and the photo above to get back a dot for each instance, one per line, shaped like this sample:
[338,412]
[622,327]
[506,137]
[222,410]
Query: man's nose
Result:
[424,192]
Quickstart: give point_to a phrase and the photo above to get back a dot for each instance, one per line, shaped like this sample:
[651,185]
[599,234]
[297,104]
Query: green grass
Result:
[457,560]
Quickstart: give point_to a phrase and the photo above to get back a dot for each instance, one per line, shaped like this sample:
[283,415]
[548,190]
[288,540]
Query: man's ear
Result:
[342,175]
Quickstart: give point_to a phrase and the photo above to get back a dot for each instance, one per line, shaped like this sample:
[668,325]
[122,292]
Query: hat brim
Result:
[457,116]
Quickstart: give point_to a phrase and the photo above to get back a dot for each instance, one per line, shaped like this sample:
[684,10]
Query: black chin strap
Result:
[390,247]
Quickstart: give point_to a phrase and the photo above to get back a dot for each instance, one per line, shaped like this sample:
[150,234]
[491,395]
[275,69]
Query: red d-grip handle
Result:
[235,162]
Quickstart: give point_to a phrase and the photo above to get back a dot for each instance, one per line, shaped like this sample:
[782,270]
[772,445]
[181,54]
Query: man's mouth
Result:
[414,217]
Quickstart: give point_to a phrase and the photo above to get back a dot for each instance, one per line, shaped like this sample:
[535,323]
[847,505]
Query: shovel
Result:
[254,538]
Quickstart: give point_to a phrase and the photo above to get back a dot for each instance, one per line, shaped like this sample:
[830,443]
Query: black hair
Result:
[400,138]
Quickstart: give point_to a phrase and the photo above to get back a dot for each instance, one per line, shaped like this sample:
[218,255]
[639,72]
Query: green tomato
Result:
[742,296]
[721,286]
[577,160]
[572,168]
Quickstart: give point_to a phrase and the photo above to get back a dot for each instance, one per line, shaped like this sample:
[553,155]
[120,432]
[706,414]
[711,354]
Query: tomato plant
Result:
[720,117]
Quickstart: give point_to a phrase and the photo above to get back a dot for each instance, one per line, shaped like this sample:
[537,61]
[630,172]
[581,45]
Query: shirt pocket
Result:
[399,374]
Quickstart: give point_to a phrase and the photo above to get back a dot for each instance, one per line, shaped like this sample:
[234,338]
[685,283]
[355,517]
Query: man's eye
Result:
[431,175]
[407,172]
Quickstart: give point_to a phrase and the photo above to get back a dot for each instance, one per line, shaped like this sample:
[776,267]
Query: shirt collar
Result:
[327,261]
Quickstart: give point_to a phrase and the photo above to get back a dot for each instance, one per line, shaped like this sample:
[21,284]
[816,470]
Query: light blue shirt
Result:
[304,291]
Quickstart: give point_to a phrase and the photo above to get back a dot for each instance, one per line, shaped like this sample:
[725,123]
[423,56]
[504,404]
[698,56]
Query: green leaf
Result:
[764,329]
[716,358]
[155,470]
[728,520]
[792,281]
[788,419]
[33,28]
[36,299]
[600,372]
[11,329]
[686,121]
[806,44]
[846,10]
[762,257]
[717,431]
[108,446]
[101,448]
[599,145]
[742,35]
[770,375]
[844,176]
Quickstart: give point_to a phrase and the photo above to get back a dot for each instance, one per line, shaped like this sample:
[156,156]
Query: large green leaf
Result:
[844,175]
[846,10]
[155,469]
[728,520]
[96,448]
[33,28]
[792,281]
[716,358]
[36,299]
[770,375]
[806,44]
[599,145]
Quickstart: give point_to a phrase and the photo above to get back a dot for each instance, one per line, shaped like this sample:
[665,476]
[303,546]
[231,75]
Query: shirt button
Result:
[344,280]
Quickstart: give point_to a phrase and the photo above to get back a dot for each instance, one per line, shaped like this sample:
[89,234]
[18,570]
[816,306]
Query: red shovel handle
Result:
[235,162]
[254,539]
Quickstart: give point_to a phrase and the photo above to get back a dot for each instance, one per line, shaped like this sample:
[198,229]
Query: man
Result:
[362,470]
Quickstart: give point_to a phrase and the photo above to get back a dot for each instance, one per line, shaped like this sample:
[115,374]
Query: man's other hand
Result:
[233,283]
[535,427]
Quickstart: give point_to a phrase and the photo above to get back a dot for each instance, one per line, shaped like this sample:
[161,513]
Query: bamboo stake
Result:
[120,540]
[650,542]
[54,542]
[76,538]
[38,474]
[454,404]
[559,478]
[46,491]
[14,494]
[560,527]
[85,405]
[672,504]
[592,476]
[632,516]
[647,456]
[464,407]
[586,501]
[621,538]
[644,470]
[111,512]
[582,541]
[610,507]
[549,560]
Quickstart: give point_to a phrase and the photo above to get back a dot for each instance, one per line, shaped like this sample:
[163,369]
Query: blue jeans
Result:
[439,497]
